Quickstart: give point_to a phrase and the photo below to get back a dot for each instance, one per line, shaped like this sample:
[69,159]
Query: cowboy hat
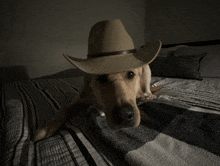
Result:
[111,50]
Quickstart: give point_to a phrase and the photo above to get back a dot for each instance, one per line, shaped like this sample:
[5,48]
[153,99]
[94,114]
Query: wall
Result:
[175,21]
[35,34]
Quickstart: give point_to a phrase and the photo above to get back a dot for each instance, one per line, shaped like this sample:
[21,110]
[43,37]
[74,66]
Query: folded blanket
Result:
[171,135]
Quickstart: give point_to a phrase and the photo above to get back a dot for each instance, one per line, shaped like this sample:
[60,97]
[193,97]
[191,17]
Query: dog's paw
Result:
[148,97]
[40,134]
[46,131]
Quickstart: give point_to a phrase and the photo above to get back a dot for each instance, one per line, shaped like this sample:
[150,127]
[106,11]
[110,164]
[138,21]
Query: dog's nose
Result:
[123,115]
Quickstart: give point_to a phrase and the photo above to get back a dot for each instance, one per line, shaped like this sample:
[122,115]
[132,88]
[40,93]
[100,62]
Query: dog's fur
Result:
[115,94]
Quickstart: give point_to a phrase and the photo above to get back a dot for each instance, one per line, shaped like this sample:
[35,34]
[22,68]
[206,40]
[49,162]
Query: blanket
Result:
[174,130]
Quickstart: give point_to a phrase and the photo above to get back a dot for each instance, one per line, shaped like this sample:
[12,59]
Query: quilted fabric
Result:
[181,127]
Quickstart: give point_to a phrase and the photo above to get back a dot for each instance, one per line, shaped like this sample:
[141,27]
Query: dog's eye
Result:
[102,79]
[130,74]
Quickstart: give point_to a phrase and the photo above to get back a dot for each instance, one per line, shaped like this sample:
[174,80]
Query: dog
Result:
[117,76]
[116,94]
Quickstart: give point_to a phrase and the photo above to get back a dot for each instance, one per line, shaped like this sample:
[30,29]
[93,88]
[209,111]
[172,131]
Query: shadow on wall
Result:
[13,73]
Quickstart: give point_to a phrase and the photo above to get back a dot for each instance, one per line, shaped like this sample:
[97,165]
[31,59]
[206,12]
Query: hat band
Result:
[111,53]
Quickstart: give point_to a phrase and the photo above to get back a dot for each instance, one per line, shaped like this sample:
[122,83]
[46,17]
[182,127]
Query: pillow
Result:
[210,64]
[188,51]
[166,51]
[177,66]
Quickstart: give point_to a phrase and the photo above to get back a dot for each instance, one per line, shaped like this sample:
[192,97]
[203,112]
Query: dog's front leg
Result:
[64,115]
[53,125]
[146,76]
[50,128]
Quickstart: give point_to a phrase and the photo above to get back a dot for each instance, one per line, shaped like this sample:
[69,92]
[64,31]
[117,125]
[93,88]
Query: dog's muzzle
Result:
[124,115]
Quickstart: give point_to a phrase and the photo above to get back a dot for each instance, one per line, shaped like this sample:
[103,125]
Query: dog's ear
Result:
[140,93]
[142,82]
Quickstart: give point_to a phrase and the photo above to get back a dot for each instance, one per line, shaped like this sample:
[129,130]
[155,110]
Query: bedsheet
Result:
[180,127]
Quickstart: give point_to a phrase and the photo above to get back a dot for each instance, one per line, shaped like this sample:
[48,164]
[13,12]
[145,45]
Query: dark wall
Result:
[175,21]
[35,34]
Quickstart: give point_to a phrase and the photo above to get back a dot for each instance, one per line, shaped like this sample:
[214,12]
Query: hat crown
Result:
[108,36]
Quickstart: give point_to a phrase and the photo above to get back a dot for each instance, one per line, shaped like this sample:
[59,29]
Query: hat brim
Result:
[117,63]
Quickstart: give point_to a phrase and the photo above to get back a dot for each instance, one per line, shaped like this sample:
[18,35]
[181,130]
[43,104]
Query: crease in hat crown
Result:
[108,36]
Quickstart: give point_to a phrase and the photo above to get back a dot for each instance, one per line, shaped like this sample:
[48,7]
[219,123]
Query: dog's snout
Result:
[123,115]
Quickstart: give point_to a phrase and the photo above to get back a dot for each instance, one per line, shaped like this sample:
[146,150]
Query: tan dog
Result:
[115,94]
[118,74]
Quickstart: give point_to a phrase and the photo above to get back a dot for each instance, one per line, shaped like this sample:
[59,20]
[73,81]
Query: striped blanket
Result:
[180,127]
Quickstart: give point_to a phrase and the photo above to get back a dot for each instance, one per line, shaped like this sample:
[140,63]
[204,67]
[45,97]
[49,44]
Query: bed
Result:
[180,127]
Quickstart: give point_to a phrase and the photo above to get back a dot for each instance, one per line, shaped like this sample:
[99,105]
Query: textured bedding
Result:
[204,94]
[180,127]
